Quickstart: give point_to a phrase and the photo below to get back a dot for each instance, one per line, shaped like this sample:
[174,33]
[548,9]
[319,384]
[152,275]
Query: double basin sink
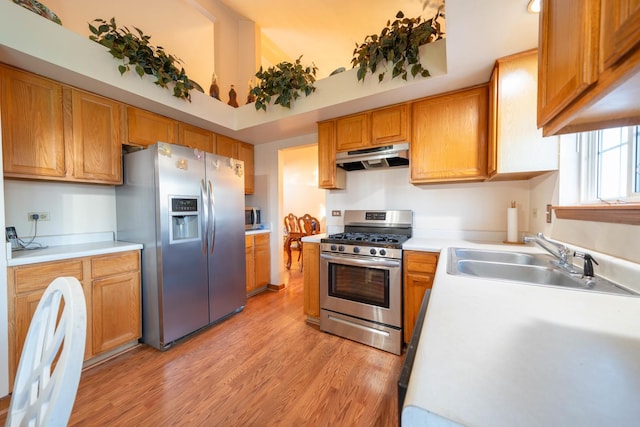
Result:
[537,269]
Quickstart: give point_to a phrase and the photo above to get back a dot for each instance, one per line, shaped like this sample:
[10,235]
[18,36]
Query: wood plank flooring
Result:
[264,366]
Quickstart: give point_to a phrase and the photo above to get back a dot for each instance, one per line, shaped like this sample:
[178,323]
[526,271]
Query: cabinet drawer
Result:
[421,262]
[111,265]
[262,239]
[39,276]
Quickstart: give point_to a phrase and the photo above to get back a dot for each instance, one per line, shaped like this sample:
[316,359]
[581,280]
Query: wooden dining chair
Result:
[308,225]
[293,235]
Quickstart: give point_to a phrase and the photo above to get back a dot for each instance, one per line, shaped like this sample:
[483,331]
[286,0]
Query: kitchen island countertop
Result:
[60,252]
[498,353]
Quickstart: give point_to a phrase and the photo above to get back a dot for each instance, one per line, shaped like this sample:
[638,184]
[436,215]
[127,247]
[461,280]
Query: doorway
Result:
[298,169]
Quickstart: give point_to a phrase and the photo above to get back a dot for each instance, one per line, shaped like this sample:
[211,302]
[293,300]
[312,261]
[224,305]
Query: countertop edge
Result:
[57,253]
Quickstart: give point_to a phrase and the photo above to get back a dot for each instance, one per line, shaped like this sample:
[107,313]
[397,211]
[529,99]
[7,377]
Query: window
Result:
[610,165]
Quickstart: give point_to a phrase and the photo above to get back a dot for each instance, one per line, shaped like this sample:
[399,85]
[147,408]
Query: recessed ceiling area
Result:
[325,32]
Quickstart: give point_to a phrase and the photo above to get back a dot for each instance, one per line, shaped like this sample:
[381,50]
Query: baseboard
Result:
[276,287]
[313,320]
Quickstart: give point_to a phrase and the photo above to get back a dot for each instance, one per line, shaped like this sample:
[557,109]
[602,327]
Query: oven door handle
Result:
[360,262]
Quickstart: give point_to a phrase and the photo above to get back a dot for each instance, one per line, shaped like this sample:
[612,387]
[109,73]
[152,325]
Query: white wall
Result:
[73,208]
[440,210]
[618,240]
[204,34]
[268,195]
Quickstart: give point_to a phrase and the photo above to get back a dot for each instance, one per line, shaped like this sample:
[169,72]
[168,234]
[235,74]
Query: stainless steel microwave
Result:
[252,218]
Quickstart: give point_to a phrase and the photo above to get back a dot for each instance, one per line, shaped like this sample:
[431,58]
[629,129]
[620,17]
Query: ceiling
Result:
[477,33]
[327,32]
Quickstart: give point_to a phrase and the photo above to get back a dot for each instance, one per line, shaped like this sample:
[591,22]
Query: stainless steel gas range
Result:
[361,278]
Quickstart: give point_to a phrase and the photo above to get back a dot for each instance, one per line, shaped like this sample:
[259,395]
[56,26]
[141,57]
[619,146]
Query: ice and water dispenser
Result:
[185,218]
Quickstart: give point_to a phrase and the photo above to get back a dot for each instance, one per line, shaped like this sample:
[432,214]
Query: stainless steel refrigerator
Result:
[187,209]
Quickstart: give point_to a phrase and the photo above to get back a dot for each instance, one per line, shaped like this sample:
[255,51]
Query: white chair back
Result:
[51,362]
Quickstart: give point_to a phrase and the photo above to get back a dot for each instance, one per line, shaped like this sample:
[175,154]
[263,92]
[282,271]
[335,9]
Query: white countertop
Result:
[55,253]
[259,231]
[496,353]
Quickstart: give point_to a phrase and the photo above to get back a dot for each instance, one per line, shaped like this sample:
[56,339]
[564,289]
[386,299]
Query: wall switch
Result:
[42,216]
[534,213]
[336,213]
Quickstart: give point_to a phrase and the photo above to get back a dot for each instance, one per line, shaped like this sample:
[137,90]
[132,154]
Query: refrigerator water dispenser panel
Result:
[185,218]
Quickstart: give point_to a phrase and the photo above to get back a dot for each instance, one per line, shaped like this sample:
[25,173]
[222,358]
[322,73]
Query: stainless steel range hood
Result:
[389,156]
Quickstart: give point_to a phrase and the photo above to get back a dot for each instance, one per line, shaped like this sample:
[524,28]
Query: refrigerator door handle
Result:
[212,217]
[204,223]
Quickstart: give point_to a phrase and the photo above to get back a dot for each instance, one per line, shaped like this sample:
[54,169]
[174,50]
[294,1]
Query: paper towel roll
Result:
[512,224]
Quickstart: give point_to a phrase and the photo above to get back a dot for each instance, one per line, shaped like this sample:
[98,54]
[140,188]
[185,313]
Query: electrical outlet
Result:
[42,216]
[548,219]
[336,213]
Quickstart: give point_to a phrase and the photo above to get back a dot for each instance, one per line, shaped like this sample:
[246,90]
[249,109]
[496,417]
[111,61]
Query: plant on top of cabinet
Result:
[286,80]
[398,43]
[144,57]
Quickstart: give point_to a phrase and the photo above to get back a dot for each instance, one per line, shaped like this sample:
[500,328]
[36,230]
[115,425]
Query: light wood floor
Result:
[262,367]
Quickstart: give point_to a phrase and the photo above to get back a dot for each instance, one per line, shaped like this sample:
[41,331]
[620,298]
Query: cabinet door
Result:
[568,63]
[620,29]
[311,272]
[329,176]
[419,271]
[517,149]
[195,137]
[352,133]
[146,128]
[262,260]
[116,311]
[245,153]
[450,137]
[226,146]
[97,148]
[250,265]
[32,125]
[389,125]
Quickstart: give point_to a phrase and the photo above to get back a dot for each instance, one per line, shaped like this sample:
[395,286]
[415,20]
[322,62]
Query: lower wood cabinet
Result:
[419,271]
[311,277]
[258,262]
[111,285]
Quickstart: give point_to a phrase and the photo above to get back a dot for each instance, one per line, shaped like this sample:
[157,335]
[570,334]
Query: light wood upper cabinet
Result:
[419,272]
[33,142]
[145,128]
[589,65]
[449,141]
[329,175]
[195,137]
[352,132]
[568,53]
[96,130]
[389,125]
[517,149]
[620,29]
[239,150]
[54,132]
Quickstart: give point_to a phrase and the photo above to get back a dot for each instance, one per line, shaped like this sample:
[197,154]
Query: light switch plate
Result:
[336,213]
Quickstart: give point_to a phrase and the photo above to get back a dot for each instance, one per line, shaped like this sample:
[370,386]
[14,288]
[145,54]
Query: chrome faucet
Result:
[558,250]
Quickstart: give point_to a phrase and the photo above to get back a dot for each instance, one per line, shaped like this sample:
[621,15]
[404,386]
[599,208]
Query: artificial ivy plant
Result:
[398,43]
[286,80]
[135,51]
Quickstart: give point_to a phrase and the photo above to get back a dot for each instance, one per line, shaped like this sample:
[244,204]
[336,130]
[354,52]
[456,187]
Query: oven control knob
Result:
[356,250]
[333,247]
[341,248]
[372,251]
[383,252]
